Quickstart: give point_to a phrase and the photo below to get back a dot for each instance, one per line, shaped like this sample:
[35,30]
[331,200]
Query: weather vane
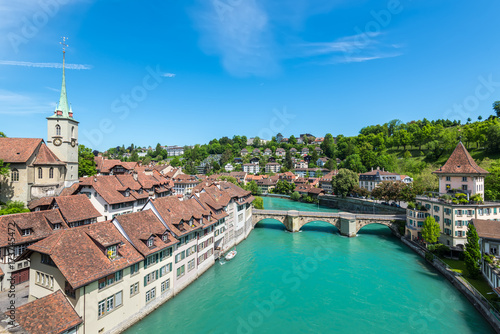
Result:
[63,43]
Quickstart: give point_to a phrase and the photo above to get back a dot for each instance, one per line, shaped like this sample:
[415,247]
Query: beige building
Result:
[454,206]
[38,169]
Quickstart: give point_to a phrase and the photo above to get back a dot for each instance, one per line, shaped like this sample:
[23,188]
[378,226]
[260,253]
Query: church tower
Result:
[62,132]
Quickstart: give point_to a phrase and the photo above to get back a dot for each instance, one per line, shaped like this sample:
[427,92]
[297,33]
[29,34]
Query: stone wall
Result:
[356,205]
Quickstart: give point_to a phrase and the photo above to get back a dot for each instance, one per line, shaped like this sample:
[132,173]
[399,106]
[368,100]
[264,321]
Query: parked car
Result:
[384,203]
[395,204]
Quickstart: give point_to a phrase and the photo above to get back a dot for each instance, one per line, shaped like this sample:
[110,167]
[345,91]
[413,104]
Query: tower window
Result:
[72,132]
[51,173]
[58,130]
[14,175]
[40,173]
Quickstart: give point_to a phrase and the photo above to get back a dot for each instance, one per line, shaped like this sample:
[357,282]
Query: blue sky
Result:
[184,72]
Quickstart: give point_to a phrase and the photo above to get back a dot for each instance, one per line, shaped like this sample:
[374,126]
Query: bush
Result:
[440,250]
[411,205]
[429,256]
[295,196]
[258,203]
[488,259]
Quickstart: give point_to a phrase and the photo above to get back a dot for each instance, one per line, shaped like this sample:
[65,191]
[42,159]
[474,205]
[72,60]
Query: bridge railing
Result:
[331,214]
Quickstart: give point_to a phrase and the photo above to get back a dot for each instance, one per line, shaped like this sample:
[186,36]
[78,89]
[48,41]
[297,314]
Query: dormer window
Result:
[111,252]
[26,231]
[191,222]
[127,193]
[150,242]
[57,226]
[164,237]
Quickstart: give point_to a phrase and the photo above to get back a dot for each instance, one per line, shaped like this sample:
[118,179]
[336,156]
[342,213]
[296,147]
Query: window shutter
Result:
[456,233]
[157,270]
[161,256]
[145,280]
[161,272]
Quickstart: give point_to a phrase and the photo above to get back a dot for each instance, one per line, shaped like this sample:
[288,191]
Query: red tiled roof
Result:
[40,202]
[460,162]
[79,253]
[139,226]
[16,150]
[40,222]
[1,273]
[487,228]
[46,157]
[177,214]
[76,207]
[52,314]
[69,190]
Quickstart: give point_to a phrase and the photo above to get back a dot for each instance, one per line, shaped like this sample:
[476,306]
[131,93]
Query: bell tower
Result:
[62,131]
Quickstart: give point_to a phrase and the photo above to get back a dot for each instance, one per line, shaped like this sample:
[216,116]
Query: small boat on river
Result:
[230,255]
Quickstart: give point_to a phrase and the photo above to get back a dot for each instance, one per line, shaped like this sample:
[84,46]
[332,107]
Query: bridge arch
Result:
[390,224]
[306,220]
[277,223]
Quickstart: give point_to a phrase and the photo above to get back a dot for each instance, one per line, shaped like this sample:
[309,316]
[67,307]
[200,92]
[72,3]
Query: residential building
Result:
[325,182]
[229,168]
[280,152]
[184,184]
[113,167]
[266,185]
[305,150]
[300,165]
[244,152]
[309,190]
[371,179]
[273,167]
[256,151]
[268,151]
[310,172]
[175,151]
[489,243]
[251,168]
[459,175]
[293,150]
[321,162]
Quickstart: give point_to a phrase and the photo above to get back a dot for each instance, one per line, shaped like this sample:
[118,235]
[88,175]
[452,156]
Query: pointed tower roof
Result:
[63,109]
[460,162]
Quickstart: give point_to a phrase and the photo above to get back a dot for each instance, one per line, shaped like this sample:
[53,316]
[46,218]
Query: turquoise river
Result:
[317,281]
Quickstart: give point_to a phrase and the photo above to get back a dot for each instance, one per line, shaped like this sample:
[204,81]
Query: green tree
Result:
[13,207]
[295,196]
[331,164]
[328,146]
[496,107]
[175,162]
[134,157]
[2,135]
[344,182]
[258,203]
[146,161]
[284,187]
[288,160]
[472,253]
[256,142]
[253,187]
[292,140]
[4,169]
[86,164]
[353,162]
[431,230]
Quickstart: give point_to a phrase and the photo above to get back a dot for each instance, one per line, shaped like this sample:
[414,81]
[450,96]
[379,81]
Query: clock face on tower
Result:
[73,142]
[57,141]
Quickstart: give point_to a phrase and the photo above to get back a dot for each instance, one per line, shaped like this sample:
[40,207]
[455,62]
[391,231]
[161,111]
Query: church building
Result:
[39,168]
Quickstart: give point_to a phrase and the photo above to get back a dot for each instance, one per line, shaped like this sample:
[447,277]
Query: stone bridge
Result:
[347,223]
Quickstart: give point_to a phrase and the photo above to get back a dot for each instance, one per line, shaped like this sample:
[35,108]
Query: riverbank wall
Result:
[357,205]
[474,297]
[239,236]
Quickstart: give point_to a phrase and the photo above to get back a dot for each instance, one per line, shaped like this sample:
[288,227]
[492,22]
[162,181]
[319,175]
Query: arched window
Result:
[58,130]
[51,173]
[14,175]
[72,132]
[40,173]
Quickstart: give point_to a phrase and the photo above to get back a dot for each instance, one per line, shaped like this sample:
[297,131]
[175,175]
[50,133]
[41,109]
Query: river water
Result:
[317,281]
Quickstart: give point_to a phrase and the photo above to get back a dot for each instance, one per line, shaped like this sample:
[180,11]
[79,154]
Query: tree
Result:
[134,157]
[146,161]
[253,187]
[86,164]
[344,182]
[258,203]
[288,160]
[353,162]
[431,230]
[284,187]
[2,135]
[331,164]
[256,142]
[496,107]
[13,207]
[472,253]
[175,162]
[292,140]
[492,182]
[4,169]
[295,196]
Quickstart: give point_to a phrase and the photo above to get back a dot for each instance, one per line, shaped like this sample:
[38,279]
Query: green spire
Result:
[63,100]
[63,109]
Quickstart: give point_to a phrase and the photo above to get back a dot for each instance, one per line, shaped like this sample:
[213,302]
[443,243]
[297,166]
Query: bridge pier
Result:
[348,226]
[291,221]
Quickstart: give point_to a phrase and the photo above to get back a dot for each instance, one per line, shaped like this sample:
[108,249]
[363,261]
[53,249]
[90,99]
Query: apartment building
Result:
[455,205]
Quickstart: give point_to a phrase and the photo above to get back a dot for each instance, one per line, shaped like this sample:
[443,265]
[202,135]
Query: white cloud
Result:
[168,75]
[49,65]
[239,32]
[18,104]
